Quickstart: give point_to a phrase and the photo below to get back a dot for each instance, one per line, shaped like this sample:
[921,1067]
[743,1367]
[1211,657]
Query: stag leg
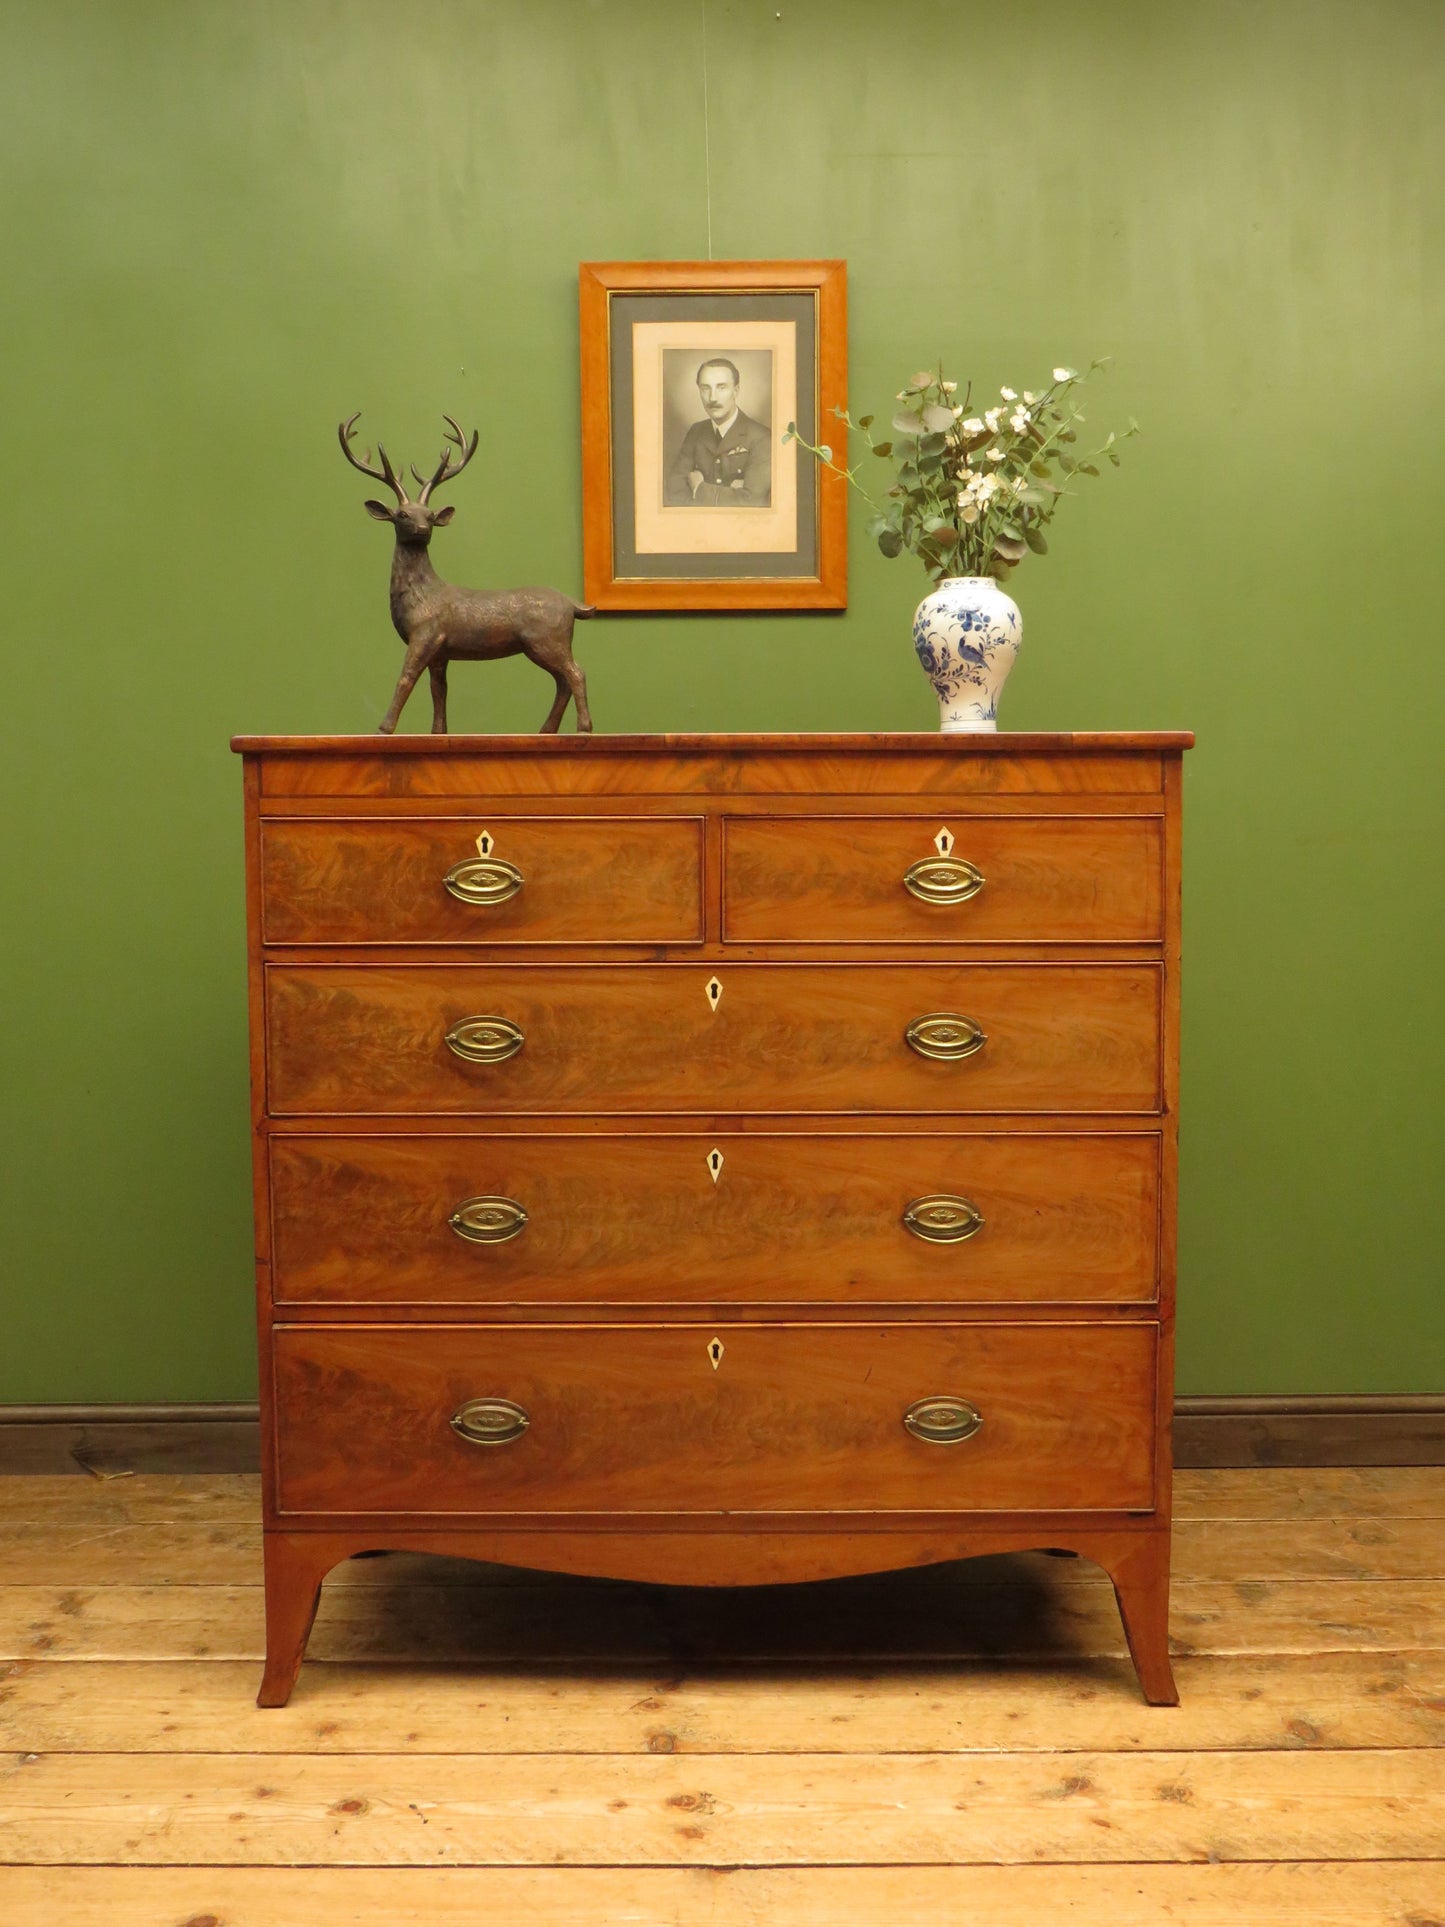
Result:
[418,654]
[578,684]
[558,709]
[438,673]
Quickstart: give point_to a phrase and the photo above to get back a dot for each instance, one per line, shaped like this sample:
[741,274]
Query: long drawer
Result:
[481,880]
[917,879]
[725,1218]
[923,1038]
[642,1419]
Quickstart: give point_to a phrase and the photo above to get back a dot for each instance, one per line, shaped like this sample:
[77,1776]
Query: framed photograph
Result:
[691,372]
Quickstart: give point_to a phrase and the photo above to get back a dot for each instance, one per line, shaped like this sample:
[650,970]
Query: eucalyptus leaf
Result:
[937,418]
[825,454]
[1087,468]
[790,432]
[1035,540]
[1011,551]
[907,422]
[933,444]
[882,448]
[865,421]
[890,542]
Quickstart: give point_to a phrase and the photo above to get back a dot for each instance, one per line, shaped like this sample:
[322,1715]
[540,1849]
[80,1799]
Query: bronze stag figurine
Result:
[440,623]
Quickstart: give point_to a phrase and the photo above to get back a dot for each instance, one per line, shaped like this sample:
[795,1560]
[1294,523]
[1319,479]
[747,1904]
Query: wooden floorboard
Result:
[1377,1893]
[1276,1702]
[967,1740]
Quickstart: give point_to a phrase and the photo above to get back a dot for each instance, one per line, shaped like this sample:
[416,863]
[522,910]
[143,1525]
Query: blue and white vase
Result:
[967,634]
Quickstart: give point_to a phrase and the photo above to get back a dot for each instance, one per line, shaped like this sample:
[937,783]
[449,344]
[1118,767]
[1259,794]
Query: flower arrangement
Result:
[973,493]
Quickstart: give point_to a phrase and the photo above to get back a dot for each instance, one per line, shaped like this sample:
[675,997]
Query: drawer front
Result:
[916,879]
[725,1218]
[746,1037]
[656,1419]
[482,880]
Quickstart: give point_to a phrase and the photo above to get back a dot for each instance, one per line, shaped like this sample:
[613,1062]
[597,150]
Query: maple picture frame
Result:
[752,522]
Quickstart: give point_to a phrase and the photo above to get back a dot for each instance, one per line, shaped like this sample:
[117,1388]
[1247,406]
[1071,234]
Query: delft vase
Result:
[967,634]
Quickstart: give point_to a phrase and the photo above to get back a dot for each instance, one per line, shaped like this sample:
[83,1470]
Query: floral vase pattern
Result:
[967,634]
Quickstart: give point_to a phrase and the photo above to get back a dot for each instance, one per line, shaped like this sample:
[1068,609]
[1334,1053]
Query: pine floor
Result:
[962,1744]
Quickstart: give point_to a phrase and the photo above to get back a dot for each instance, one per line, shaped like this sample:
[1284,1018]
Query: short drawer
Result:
[725,1218]
[917,879]
[481,880]
[911,1038]
[691,1419]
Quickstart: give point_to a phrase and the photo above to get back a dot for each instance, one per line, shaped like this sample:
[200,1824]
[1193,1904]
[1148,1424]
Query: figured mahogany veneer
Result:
[1049,879]
[373,880]
[645,1037]
[641,1220]
[637,1419]
[682,1264]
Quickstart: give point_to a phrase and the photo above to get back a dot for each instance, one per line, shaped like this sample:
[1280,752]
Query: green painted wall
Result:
[224,226]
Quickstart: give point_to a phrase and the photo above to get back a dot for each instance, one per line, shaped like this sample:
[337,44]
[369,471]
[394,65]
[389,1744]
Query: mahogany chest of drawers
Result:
[715,1159]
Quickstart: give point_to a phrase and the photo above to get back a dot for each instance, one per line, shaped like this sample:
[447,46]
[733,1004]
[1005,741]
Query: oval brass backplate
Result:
[483,879]
[487,1221]
[942,1420]
[943,879]
[485,1040]
[489,1421]
[943,1219]
[944,1035]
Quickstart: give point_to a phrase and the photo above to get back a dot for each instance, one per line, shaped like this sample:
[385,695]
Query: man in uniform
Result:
[725,461]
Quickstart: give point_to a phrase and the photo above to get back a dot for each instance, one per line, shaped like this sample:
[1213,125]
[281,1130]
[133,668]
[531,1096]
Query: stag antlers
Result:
[446,468]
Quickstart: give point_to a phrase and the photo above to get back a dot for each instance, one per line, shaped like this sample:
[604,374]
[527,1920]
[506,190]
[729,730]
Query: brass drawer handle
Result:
[485,1040]
[489,1421]
[943,879]
[487,1221]
[942,1420]
[942,1219]
[944,1035]
[483,879]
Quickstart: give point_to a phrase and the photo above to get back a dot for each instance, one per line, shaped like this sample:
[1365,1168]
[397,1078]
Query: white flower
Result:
[1029,397]
[1019,484]
[1019,420]
[969,514]
[995,454]
[958,411]
[902,395]
[1063,374]
[993,416]
[1008,394]
[948,387]
[973,426]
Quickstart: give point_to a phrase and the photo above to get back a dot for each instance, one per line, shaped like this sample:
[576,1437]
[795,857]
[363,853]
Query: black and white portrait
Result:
[717,428]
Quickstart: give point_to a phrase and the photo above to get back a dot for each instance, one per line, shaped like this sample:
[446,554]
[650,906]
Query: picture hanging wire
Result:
[706,138]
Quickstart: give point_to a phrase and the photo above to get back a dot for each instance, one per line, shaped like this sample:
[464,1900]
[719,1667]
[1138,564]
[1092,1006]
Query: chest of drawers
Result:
[715,1159]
